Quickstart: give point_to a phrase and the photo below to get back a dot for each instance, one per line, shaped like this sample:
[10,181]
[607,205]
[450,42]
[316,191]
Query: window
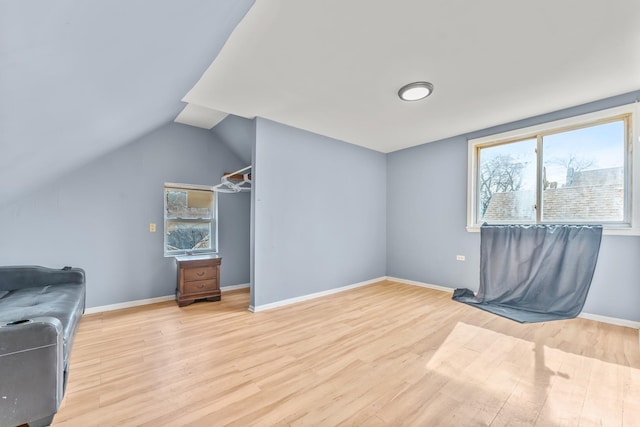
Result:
[190,219]
[570,171]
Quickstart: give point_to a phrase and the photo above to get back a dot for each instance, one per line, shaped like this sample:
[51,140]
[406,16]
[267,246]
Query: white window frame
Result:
[213,222]
[633,158]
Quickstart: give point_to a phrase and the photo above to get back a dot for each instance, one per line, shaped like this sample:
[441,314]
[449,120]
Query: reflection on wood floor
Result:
[384,354]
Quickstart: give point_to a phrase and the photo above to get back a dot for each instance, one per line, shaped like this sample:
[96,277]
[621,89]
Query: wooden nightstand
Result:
[198,278]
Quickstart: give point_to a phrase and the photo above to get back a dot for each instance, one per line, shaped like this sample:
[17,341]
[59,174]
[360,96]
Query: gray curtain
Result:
[534,273]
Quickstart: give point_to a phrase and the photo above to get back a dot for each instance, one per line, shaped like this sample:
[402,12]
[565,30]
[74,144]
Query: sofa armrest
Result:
[31,369]
[29,276]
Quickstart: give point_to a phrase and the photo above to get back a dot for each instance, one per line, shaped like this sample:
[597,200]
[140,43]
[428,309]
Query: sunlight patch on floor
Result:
[532,382]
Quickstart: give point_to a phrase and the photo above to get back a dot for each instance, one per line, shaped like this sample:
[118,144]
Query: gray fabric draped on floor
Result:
[534,273]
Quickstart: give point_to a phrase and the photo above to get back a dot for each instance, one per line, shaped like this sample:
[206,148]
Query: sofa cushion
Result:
[28,276]
[63,301]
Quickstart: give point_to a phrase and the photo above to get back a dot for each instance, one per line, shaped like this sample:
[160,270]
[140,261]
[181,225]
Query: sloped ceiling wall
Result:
[238,134]
[79,79]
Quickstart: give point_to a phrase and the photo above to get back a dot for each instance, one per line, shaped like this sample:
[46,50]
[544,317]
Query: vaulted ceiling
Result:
[79,78]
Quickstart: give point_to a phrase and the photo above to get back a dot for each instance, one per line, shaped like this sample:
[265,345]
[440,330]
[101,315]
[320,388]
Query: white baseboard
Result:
[289,301]
[612,320]
[604,319]
[136,303]
[128,304]
[421,284]
[235,287]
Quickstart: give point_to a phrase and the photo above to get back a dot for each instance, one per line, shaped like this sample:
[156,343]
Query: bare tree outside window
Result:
[501,174]
[576,175]
[190,222]
[506,180]
[572,163]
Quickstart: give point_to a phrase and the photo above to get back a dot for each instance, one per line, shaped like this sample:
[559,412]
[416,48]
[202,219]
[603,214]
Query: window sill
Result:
[606,231]
[196,257]
[192,254]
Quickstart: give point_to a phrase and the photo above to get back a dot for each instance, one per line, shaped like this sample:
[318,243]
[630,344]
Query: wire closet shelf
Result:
[235,182]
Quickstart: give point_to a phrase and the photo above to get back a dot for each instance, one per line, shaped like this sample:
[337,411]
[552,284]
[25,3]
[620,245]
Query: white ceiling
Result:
[334,67]
[201,117]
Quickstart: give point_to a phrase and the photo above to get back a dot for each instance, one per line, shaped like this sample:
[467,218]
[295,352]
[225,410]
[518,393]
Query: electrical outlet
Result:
[152,228]
[459,257]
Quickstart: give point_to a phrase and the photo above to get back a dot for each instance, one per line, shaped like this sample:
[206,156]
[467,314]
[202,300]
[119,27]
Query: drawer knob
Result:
[200,273]
[200,286]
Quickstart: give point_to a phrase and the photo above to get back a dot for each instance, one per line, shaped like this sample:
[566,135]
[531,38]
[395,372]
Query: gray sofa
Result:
[40,309]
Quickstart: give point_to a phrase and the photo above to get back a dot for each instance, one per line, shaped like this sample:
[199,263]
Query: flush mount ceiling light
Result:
[415,91]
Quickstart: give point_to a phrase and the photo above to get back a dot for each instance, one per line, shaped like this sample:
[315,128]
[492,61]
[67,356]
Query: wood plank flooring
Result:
[387,354]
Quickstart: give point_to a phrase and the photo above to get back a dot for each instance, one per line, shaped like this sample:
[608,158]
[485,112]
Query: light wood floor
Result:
[385,354]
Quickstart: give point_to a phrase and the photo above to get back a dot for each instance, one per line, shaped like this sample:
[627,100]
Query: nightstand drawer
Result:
[199,273]
[198,278]
[199,286]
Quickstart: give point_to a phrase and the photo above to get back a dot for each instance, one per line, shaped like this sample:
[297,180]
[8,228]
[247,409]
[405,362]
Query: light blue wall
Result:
[97,217]
[426,215]
[426,219]
[252,237]
[320,217]
[327,214]
[238,134]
